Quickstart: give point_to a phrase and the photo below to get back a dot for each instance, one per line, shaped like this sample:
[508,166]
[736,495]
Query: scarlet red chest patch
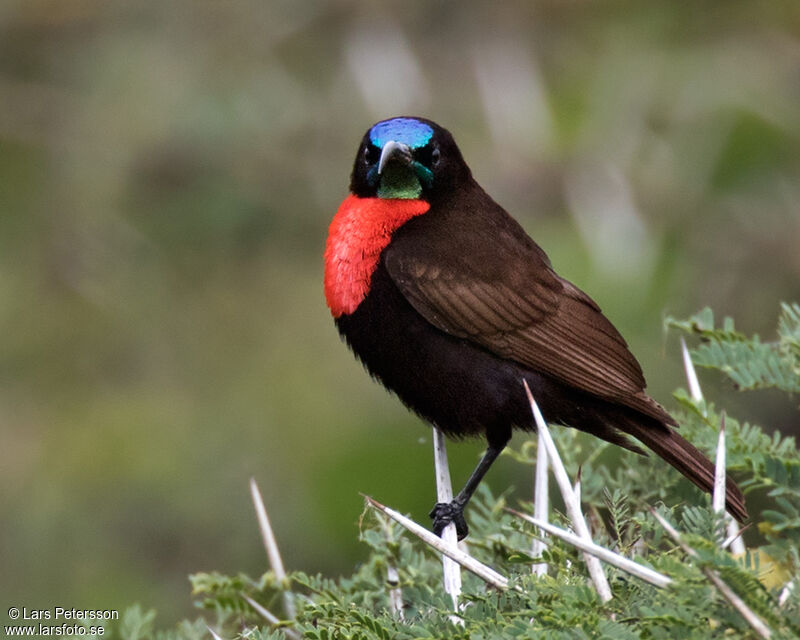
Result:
[360,230]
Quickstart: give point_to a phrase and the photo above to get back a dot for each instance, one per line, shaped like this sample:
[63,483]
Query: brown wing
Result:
[502,294]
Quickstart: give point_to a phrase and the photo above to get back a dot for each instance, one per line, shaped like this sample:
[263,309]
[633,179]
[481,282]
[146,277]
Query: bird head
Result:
[407,158]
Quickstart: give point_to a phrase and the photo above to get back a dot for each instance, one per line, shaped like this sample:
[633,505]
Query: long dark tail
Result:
[687,459]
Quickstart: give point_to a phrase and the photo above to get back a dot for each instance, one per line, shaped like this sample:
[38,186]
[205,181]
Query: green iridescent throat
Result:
[403,181]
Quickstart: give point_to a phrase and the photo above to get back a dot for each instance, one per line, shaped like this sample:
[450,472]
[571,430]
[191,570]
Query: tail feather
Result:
[687,459]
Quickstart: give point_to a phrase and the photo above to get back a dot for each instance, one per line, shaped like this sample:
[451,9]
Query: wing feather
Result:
[519,310]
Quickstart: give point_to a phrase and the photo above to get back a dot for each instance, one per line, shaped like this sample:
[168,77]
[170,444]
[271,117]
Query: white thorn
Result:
[691,374]
[785,593]
[395,593]
[213,633]
[444,493]
[718,497]
[606,555]
[734,539]
[487,574]
[271,545]
[269,617]
[736,602]
[541,504]
[570,500]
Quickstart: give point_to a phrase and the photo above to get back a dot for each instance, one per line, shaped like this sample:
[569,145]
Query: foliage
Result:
[750,363]
[562,604]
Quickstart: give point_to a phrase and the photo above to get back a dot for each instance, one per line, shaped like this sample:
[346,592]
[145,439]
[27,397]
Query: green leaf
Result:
[137,624]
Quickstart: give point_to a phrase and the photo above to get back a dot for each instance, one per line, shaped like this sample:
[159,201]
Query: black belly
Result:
[453,383]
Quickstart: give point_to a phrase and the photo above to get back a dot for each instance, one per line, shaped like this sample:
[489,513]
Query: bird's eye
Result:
[435,157]
[371,154]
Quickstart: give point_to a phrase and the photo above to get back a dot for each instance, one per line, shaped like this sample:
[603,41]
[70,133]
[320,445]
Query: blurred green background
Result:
[167,174]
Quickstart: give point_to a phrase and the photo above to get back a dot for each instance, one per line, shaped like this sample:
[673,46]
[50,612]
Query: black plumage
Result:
[462,305]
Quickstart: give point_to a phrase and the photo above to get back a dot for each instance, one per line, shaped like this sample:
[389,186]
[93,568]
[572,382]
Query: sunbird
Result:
[450,304]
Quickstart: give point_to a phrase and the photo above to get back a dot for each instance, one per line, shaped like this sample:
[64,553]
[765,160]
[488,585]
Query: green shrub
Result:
[618,490]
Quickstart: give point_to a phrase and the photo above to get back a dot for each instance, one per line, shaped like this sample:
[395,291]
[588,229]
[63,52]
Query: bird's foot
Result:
[444,513]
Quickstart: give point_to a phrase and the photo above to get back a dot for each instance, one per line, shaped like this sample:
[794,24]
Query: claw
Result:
[444,513]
